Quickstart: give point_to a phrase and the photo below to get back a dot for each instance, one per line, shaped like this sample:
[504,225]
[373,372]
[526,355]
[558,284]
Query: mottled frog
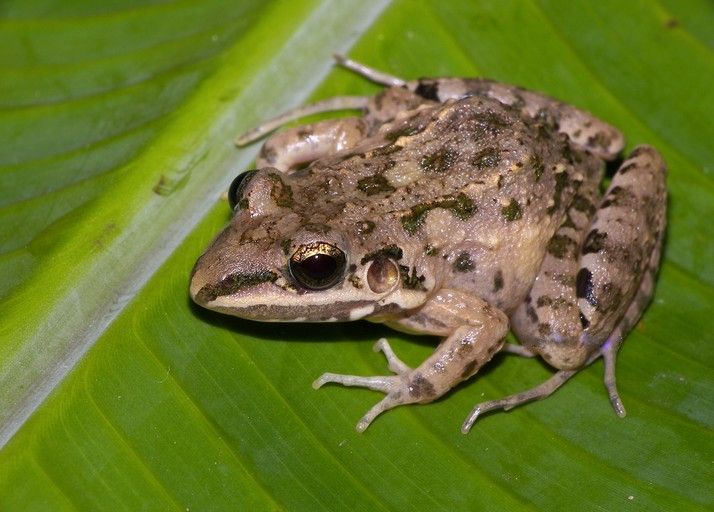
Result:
[452,207]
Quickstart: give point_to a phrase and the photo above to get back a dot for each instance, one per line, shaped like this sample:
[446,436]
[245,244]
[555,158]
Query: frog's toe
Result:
[388,402]
[609,353]
[395,388]
[383,383]
[395,364]
[543,390]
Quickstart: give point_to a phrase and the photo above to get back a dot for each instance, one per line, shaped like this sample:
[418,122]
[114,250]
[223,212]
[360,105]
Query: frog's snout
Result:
[231,267]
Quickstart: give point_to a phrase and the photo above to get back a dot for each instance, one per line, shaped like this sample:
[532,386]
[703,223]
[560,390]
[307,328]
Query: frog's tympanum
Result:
[452,207]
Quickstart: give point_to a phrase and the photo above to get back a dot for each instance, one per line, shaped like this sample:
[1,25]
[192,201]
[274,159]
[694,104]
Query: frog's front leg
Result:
[292,148]
[474,332]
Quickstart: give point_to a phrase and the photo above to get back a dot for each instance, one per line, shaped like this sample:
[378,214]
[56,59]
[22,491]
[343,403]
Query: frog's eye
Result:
[317,266]
[235,191]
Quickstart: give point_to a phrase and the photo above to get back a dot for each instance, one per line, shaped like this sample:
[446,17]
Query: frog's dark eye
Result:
[235,191]
[317,266]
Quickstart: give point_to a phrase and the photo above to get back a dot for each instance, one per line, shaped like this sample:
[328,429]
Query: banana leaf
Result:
[117,393]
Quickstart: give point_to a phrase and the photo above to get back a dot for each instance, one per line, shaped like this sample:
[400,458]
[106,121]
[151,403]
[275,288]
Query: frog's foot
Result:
[609,353]
[406,387]
[509,402]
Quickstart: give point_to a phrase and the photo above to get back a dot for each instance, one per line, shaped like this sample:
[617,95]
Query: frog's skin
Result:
[456,208]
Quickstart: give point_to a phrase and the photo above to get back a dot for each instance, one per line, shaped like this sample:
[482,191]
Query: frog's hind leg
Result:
[583,129]
[329,105]
[544,390]
[593,288]
[632,315]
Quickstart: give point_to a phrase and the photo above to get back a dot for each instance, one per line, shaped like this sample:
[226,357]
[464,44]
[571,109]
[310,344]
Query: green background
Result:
[116,393]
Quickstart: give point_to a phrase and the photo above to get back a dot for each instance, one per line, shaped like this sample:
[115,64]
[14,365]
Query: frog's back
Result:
[474,155]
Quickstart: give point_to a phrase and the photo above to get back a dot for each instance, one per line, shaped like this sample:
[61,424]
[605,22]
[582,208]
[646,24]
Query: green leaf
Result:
[116,128]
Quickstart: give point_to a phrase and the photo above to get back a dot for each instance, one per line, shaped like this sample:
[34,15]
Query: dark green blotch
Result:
[568,222]
[561,246]
[498,281]
[538,167]
[544,329]
[463,263]
[315,227]
[410,281]
[561,179]
[600,139]
[486,158]
[594,242]
[544,300]
[376,184]
[627,168]
[615,197]
[281,193]
[243,204]
[532,315]
[385,150]
[512,211]
[439,161]
[365,227]
[461,206]
[392,252]
[567,153]
[285,245]
[582,204]
[492,120]
[233,283]
[610,298]
[430,250]
[405,131]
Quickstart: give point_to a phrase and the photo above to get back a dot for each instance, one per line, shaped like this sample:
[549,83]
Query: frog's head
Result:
[272,264]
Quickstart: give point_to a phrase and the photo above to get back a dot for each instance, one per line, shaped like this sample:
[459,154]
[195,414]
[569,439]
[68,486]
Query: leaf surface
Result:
[117,120]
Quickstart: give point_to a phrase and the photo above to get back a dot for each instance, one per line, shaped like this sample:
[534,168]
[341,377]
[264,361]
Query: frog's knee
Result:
[552,330]
[563,356]
[558,341]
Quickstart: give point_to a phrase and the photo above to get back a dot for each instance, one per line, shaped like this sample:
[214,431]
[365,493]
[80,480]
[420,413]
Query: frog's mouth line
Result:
[233,283]
[335,312]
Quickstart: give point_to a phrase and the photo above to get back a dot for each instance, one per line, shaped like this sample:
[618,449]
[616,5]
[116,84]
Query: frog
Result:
[458,208]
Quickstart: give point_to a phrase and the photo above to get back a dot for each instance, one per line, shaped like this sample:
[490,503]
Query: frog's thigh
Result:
[291,148]
[624,244]
[582,128]
[593,290]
